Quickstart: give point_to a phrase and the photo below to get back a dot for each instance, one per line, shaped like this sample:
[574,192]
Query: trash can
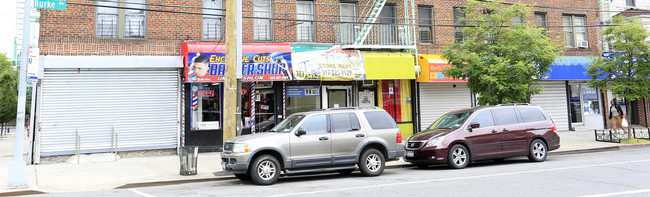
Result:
[188,156]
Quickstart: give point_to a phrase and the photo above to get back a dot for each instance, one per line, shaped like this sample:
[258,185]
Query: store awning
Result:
[385,65]
[569,68]
[433,67]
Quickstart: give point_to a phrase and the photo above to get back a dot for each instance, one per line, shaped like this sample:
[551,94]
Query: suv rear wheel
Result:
[265,170]
[372,162]
[538,151]
[457,157]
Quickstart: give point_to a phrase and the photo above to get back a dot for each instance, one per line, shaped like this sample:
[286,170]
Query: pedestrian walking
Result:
[616,114]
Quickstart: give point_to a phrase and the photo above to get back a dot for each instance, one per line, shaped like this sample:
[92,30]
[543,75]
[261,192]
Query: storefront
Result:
[264,72]
[97,96]
[438,93]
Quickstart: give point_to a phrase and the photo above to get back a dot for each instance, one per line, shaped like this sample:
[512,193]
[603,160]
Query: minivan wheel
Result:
[457,157]
[265,170]
[372,162]
[538,151]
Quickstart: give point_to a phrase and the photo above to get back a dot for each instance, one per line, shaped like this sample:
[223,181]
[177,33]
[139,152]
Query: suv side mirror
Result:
[300,132]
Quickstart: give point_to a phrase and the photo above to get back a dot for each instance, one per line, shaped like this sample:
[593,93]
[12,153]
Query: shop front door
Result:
[337,98]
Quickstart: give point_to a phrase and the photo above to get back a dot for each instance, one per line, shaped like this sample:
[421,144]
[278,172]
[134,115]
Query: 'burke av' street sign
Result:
[50,4]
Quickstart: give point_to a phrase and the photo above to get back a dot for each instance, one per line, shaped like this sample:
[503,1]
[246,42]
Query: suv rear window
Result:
[530,114]
[380,120]
[344,122]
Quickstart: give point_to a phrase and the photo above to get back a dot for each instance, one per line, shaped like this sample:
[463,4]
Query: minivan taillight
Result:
[553,128]
[399,137]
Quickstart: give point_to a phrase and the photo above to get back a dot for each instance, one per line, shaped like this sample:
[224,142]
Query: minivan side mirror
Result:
[474,125]
[300,132]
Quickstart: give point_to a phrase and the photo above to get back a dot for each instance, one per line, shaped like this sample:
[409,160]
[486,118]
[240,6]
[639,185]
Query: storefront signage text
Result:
[302,91]
[256,67]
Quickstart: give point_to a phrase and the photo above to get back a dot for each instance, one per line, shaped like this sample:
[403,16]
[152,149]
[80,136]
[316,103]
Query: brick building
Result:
[129,66]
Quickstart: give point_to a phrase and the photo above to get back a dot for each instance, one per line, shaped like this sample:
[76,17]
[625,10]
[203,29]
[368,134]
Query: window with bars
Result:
[459,16]
[425,22]
[574,30]
[262,24]
[348,14]
[213,24]
[112,22]
[305,17]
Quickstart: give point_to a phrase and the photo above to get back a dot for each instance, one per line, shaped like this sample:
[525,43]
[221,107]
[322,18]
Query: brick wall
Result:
[72,31]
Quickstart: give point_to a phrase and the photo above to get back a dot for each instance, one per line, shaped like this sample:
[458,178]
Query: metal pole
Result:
[112,138]
[116,138]
[77,145]
[233,59]
[596,134]
[17,170]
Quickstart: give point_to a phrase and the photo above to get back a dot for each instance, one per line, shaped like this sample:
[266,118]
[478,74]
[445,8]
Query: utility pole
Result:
[17,174]
[233,59]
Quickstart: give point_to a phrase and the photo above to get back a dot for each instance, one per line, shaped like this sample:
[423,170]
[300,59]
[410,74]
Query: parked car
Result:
[484,133]
[339,139]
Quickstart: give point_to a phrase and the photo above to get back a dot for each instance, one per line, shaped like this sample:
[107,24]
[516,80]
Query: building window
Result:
[349,15]
[106,24]
[388,30]
[574,30]
[262,22]
[121,23]
[630,3]
[425,22]
[516,20]
[207,113]
[459,17]
[213,25]
[305,17]
[540,20]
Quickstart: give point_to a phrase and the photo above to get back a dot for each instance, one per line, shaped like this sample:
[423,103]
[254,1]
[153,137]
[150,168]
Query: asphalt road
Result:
[615,173]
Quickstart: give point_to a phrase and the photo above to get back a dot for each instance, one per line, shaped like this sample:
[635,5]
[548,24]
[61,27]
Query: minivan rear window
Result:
[380,120]
[505,116]
[530,114]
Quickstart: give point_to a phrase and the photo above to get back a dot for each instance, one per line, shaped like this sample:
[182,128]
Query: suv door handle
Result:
[504,129]
[494,131]
[360,135]
[323,138]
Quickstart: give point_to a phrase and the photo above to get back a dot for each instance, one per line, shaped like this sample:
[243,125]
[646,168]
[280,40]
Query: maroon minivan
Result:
[484,133]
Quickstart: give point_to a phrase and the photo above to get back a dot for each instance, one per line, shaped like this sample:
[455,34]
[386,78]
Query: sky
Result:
[7,26]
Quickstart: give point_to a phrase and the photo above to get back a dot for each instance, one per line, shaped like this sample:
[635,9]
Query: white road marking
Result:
[620,193]
[141,193]
[461,178]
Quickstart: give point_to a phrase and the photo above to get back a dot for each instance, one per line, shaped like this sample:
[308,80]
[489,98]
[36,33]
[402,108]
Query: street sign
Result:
[50,4]
[32,67]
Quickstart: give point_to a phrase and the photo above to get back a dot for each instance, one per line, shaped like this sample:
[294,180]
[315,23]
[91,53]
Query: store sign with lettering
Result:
[332,64]
[303,91]
[210,67]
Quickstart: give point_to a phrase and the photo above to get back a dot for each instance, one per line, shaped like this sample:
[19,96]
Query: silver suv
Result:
[338,139]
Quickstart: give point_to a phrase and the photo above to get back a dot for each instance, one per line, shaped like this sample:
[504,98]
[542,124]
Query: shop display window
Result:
[206,115]
[302,98]
[395,98]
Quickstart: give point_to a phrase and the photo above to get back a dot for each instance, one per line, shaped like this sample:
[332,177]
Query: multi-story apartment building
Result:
[152,71]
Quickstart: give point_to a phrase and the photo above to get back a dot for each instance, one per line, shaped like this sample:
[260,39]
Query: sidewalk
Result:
[163,170]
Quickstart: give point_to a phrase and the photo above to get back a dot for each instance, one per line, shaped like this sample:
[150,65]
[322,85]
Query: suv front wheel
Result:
[265,170]
[372,162]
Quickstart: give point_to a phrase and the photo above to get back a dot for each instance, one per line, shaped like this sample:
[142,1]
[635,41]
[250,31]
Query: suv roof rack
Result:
[347,108]
[512,104]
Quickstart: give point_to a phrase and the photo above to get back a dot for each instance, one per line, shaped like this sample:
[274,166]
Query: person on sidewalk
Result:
[616,115]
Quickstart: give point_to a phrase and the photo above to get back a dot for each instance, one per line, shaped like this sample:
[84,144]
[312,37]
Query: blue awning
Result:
[569,68]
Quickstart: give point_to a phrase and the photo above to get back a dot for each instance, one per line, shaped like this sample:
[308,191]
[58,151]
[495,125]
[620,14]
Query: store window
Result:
[264,101]
[206,114]
[302,99]
[396,99]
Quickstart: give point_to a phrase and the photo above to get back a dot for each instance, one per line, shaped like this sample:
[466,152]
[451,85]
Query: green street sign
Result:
[50,4]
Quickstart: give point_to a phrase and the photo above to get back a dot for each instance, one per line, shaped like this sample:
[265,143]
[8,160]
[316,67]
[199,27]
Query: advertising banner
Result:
[302,91]
[210,67]
[333,64]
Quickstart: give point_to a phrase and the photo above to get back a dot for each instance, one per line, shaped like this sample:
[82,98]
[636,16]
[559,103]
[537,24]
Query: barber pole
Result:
[182,115]
[252,107]
[284,100]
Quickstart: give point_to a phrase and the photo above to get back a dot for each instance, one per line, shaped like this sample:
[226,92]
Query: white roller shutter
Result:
[141,104]
[553,101]
[437,99]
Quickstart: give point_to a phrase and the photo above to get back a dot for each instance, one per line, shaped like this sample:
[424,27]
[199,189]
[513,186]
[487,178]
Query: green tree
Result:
[501,60]
[626,71]
[8,92]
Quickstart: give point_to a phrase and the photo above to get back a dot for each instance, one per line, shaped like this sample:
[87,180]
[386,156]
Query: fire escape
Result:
[374,30]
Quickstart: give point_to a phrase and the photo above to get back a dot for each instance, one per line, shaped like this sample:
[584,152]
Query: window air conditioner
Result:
[583,44]
[368,83]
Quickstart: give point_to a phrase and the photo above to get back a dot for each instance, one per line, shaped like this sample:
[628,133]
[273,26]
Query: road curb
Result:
[589,150]
[21,192]
[174,182]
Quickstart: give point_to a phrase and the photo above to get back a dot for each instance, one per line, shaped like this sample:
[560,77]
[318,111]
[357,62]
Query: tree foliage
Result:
[626,70]
[8,90]
[501,61]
